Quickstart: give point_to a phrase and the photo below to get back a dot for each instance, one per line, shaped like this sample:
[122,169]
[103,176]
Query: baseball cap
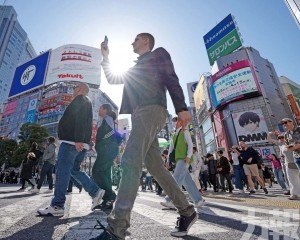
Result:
[286,120]
[208,155]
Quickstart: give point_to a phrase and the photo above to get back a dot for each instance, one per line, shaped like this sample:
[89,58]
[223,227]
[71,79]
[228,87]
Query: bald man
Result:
[74,133]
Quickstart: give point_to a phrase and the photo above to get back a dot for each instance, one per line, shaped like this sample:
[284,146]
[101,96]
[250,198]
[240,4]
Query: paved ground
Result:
[226,216]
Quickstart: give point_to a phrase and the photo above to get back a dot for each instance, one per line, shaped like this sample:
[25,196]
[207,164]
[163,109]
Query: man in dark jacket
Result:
[224,171]
[144,96]
[74,132]
[212,170]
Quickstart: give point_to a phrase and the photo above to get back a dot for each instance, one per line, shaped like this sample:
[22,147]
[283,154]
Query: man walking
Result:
[74,132]
[144,96]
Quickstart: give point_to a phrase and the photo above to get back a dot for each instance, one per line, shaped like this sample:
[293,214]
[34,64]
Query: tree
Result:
[32,132]
[7,149]
[29,133]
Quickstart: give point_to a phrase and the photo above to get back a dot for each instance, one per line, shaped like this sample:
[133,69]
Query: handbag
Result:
[172,154]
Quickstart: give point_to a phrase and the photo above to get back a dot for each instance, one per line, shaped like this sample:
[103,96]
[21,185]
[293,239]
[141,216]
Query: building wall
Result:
[15,48]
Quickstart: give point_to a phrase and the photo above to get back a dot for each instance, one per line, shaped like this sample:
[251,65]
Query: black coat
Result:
[27,168]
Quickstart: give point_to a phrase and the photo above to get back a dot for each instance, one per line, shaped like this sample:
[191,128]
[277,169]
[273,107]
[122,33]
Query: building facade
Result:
[15,49]
[247,102]
[294,7]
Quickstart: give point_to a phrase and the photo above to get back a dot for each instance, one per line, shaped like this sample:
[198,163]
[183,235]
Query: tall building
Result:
[15,49]
[294,7]
[292,93]
[247,102]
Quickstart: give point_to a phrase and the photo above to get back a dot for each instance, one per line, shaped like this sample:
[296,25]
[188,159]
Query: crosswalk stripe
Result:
[11,213]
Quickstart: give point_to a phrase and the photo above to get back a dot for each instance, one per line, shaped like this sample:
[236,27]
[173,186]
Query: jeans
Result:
[239,176]
[73,182]
[68,163]
[297,161]
[47,169]
[279,176]
[149,182]
[101,172]
[183,178]
[195,177]
[142,147]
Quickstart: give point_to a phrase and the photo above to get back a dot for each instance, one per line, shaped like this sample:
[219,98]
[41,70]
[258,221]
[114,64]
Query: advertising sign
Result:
[201,96]
[294,107]
[191,87]
[219,31]
[29,75]
[10,108]
[74,62]
[225,46]
[250,126]
[265,151]
[233,82]
[223,39]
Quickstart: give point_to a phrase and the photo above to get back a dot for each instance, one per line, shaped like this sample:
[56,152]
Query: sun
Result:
[121,59]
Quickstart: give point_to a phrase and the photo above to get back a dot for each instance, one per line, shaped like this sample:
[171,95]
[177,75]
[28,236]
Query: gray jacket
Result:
[49,154]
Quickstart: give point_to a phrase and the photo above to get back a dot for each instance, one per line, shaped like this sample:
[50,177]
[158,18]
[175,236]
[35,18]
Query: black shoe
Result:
[265,190]
[80,189]
[252,192]
[287,192]
[105,205]
[183,225]
[105,235]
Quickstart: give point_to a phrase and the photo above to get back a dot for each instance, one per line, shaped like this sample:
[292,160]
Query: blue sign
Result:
[219,31]
[29,75]
[193,87]
[31,116]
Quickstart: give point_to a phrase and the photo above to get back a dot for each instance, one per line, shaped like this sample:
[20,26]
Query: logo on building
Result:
[28,75]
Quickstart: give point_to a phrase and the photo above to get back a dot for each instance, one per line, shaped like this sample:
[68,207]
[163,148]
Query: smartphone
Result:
[105,42]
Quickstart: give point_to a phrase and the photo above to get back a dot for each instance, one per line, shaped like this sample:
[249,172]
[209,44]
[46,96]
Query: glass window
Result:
[206,125]
[209,136]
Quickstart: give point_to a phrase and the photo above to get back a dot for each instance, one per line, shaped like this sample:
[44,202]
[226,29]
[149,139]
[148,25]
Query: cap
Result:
[286,120]
[208,155]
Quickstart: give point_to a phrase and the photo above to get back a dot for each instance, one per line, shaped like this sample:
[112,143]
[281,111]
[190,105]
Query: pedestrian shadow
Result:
[41,230]
[17,196]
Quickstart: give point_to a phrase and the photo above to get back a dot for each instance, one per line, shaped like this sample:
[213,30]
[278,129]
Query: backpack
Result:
[118,137]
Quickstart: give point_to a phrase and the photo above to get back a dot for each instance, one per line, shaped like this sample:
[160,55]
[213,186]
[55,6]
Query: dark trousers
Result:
[226,176]
[101,172]
[47,170]
[213,180]
[204,179]
[149,182]
[26,180]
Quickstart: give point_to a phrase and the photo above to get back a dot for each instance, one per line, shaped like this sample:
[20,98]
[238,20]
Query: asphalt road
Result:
[225,216]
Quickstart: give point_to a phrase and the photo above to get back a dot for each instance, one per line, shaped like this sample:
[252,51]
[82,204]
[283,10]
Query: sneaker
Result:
[286,192]
[96,200]
[252,192]
[293,197]
[265,190]
[49,191]
[35,190]
[21,189]
[105,205]
[183,225]
[200,204]
[168,204]
[51,211]
[105,235]
[241,191]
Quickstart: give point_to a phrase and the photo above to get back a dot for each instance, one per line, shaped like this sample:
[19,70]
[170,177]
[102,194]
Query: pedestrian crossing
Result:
[216,218]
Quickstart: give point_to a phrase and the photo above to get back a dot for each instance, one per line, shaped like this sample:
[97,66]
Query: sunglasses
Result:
[285,122]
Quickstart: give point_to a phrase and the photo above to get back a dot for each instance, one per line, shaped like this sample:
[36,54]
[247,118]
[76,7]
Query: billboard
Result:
[191,87]
[250,126]
[225,46]
[222,39]
[233,82]
[10,108]
[29,75]
[74,62]
[201,95]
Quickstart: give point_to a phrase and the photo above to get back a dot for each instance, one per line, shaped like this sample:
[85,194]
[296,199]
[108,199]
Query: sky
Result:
[177,25]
